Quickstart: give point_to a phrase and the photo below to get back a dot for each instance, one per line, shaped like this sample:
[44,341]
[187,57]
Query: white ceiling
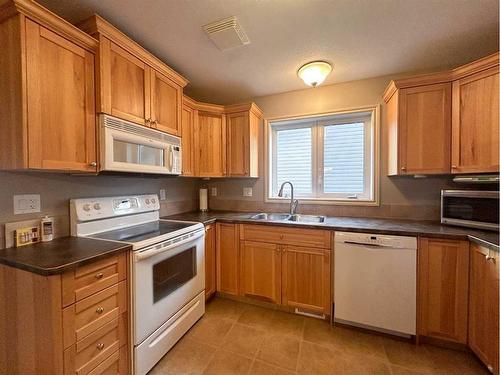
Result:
[362,38]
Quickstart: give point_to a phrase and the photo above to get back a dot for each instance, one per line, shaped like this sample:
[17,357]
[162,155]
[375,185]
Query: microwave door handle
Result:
[168,158]
[152,251]
[171,158]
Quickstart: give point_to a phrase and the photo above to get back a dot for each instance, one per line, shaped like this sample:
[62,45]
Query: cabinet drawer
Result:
[89,314]
[92,278]
[92,351]
[115,364]
[286,235]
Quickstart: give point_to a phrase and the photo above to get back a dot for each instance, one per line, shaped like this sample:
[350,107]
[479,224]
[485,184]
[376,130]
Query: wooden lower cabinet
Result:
[306,278]
[484,305]
[261,270]
[227,256]
[443,289]
[48,327]
[270,265]
[210,263]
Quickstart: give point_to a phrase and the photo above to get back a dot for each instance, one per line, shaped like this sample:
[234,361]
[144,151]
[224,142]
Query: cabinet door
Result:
[261,271]
[443,289]
[187,139]
[243,144]
[210,266]
[483,315]
[60,102]
[238,144]
[125,84]
[166,104]
[210,145]
[425,129]
[475,123]
[227,257]
[306,279]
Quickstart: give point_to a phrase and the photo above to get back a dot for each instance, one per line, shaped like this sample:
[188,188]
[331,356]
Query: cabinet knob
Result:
[93,164]
[99,275]
[453,167]
[489,257]
[403,168]
[100,346]
[147,121]
[99,310]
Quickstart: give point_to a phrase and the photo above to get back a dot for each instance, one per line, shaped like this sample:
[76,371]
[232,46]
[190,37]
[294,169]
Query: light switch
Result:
[247,191]
[25,204]
[213,192]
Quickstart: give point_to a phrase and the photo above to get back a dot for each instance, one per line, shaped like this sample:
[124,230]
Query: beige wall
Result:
[403,197]
[57,189]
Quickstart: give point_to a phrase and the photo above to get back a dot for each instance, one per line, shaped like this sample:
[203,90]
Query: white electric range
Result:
[167,268]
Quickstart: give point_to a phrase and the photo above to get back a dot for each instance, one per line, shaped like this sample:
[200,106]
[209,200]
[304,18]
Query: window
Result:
[327,157]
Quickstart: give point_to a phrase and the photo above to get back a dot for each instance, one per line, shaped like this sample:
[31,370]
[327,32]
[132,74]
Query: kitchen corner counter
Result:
[353,224]
[59,255]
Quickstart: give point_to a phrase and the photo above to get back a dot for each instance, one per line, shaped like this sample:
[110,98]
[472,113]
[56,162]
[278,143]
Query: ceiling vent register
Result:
[226,33]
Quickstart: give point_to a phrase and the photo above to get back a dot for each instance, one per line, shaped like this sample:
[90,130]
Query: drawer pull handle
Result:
[99,310]
[99,275]
[100,346]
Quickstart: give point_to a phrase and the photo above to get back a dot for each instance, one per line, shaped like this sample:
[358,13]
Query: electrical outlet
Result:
[247,191]
[25,204]
[163,194]
[213,192]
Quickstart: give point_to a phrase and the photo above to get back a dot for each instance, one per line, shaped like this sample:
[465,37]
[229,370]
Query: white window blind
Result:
[325,158]
[294,159]
[344,158]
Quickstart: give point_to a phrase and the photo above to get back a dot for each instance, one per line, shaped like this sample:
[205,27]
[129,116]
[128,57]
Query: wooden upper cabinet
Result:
[419,125]
[166,104]
[188,117]
[444,122]
[47,92]
[210,144]
[484,305]
[133,84]
[475,123]
[243,129]
[443,289]
[261,271]
[125,84]
[425,123]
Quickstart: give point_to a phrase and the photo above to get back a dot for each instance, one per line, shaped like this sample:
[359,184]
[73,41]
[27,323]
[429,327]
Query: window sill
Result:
[326,201]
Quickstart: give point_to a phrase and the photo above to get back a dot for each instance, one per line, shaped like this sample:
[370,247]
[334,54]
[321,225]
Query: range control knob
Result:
[97,206]
[147,200]
[153,201]
[87,207]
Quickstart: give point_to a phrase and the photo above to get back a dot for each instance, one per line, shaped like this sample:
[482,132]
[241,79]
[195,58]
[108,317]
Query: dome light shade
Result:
[314,73]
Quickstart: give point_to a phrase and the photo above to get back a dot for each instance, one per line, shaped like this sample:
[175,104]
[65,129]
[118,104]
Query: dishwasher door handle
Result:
[368,245]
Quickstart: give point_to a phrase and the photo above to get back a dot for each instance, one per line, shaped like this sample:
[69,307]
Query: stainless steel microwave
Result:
[470,208]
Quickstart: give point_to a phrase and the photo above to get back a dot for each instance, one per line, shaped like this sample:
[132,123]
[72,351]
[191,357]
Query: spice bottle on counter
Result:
[47,229]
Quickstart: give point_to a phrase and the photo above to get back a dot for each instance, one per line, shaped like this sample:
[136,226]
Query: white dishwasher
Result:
[375,282]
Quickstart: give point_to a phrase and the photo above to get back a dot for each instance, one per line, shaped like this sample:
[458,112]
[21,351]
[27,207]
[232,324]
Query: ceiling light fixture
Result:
[314,72]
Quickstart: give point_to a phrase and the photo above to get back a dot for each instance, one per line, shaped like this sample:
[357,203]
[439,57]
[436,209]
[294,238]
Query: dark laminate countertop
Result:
[59,255]
[353,224]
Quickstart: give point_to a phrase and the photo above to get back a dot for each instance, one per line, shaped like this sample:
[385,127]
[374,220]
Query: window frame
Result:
[317,120]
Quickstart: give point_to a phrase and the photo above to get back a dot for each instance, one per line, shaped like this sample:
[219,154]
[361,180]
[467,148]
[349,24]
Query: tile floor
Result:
[236,338]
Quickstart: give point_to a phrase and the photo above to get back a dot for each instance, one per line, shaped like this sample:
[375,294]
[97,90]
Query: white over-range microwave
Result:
[128,147]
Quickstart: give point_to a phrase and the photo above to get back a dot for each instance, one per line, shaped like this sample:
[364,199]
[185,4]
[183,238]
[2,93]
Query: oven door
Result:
[132,148]
[166,277]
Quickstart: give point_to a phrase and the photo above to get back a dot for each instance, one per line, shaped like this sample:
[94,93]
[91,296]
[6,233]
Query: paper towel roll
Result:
[203,199]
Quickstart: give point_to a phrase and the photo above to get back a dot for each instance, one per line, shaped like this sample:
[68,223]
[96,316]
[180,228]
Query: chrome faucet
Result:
[293,202]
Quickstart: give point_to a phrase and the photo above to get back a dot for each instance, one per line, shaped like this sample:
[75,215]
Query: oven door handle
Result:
[155,249]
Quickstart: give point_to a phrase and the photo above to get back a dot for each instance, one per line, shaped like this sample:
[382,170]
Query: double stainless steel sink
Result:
[264,216]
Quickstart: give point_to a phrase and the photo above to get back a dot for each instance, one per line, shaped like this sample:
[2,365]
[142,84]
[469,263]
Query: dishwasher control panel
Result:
[372,239]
